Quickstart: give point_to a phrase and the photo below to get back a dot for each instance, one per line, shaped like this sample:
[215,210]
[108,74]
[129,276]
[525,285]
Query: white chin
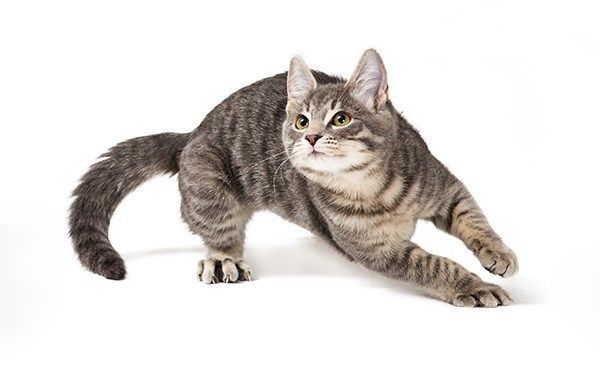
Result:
[328,163]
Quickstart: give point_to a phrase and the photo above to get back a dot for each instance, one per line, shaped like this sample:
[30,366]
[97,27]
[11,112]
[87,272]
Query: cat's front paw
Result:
[482,294]
[497,258]
[213,271]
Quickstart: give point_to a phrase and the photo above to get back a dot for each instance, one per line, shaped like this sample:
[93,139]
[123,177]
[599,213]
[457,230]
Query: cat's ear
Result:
[369,84]
[300,81]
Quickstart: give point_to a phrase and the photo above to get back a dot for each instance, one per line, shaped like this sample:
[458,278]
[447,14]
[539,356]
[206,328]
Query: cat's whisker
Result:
[247,171]
[294,153]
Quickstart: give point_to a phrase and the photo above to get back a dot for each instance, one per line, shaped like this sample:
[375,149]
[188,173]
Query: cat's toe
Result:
[206,271]
[245,271]
[230,271]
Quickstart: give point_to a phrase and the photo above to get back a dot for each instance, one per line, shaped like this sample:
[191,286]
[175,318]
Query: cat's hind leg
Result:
[211,208]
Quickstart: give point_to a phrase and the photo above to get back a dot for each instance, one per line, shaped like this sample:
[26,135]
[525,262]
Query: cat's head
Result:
[336,128]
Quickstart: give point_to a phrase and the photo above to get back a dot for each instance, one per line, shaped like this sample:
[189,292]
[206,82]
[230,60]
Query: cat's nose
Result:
[312,139]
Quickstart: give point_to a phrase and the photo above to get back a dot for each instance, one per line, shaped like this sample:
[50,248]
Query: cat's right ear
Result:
[368,84]
[300,81]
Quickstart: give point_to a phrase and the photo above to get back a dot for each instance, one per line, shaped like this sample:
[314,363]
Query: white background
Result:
[506,94]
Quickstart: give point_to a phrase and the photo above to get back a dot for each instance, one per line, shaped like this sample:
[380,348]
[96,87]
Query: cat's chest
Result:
[367,224]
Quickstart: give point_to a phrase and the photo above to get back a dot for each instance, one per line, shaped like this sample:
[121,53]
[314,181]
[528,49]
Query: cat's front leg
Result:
[436,275]
[463,218]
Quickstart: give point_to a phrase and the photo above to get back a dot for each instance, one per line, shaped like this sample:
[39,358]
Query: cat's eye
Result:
[341,119]
[301,122]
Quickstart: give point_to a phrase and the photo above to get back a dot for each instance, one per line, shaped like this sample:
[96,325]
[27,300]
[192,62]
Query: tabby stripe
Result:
[359,167]
[428,275]
[216,229]
[369,143]
[436,266]
[462,213]
[382,263]
[449,217]
[314,171]
[353,211]
[419,273]
[405,262]
[373,246]
[390,179]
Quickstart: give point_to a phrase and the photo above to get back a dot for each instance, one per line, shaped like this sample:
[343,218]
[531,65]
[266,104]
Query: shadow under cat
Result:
[310,256]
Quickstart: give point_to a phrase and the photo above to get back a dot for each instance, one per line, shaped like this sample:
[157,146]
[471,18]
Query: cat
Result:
[332,156]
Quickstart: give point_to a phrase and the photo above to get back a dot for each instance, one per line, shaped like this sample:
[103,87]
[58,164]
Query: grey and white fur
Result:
[332,156]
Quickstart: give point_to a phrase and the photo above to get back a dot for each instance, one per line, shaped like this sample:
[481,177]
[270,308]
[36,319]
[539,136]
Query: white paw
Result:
[213,271]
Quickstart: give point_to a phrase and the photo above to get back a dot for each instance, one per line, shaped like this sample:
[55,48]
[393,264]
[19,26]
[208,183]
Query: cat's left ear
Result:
[300,81]
[369,84]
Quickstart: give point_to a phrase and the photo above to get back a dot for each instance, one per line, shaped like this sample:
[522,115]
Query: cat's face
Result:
[335,129]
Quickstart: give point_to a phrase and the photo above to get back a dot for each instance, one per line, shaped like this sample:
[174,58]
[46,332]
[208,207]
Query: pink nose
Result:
[312,139]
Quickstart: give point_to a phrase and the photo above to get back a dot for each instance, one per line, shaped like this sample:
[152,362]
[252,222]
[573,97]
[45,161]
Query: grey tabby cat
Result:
[330,155]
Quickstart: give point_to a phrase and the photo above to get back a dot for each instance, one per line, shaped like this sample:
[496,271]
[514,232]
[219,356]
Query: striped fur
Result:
[118,172]
[361,187]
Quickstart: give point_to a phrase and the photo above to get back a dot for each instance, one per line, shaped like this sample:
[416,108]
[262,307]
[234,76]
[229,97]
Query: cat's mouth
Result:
[324,153]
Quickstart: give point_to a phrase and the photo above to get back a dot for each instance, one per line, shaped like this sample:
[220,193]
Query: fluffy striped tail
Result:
[119,171]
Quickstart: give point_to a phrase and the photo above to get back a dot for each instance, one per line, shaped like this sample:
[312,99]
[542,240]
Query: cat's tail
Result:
[119,171]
